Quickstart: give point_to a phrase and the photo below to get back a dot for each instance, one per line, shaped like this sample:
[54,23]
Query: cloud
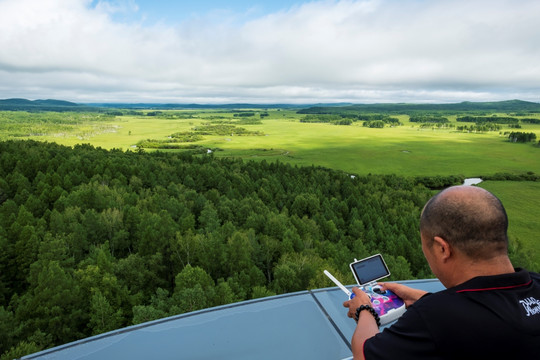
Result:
[359,51]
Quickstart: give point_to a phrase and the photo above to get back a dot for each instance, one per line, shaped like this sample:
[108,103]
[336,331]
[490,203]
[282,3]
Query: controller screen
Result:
[370,269]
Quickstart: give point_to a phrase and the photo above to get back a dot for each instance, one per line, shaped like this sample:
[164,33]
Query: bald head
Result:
[469,218]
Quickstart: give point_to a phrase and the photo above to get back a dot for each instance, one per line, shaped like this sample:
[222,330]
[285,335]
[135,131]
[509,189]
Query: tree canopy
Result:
[93,240]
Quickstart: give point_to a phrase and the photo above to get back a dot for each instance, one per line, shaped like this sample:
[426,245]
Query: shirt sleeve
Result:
[408,338]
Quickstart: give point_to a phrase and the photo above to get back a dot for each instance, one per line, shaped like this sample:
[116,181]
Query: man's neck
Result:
[467,269]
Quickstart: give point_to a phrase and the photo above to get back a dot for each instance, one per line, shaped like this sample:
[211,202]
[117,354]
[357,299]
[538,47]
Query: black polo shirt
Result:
[487,317]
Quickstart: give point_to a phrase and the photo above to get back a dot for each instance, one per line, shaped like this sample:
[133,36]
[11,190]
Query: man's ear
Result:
[442,248]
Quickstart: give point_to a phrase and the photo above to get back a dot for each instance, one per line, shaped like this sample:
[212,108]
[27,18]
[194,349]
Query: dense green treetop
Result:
[93,240]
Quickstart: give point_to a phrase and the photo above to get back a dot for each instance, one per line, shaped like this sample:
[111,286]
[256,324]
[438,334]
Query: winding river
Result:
[472,181]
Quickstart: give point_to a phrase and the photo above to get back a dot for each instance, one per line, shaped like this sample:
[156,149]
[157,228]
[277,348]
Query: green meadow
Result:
[403,150]
[406,150]
[521,200]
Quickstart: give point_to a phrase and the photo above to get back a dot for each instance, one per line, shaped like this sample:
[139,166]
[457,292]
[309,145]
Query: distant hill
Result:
[516,106]
[61,105]
[43,105]
[210,106]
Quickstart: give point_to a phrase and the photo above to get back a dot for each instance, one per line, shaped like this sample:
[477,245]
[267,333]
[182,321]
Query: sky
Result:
[273,51]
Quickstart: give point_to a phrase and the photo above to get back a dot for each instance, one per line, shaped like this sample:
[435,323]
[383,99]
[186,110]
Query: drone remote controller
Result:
[367,271]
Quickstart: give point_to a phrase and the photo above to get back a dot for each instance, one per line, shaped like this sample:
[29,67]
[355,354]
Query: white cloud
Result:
[360,51]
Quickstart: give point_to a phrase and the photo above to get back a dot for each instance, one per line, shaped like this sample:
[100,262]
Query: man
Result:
[489,310]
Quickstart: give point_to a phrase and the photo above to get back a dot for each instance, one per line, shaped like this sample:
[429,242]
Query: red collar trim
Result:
[495,288]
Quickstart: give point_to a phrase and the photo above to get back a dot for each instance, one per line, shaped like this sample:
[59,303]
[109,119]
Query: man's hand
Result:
[360,298]
[407,294]
[366,327]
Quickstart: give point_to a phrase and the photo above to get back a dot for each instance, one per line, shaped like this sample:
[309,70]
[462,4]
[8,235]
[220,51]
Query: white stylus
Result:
[340,285]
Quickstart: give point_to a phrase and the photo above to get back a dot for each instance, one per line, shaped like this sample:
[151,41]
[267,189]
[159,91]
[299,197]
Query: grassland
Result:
[521,200]
[403,150]
[406,150]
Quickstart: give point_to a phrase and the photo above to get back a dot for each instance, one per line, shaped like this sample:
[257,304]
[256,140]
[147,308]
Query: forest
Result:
[518,136]
[93,240]
[489,119]
[44,105]
[520,108]
[429,119]
[369,120]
